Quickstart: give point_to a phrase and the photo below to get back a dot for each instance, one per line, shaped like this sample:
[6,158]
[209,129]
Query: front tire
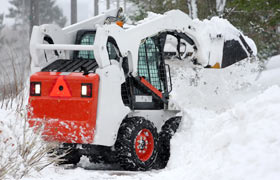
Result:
[136,145]
[167,131]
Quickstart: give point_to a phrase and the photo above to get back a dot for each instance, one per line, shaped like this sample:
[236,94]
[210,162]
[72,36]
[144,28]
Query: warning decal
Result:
[60,88]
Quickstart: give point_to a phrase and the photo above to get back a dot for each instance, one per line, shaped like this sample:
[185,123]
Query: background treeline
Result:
[258,19]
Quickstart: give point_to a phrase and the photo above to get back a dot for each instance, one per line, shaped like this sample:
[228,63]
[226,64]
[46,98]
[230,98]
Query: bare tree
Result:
[34,14]
[107,4]
[192,5]
[73,11]
[124,6]
[1,28]
[96,7]
[220,6]
[118,4]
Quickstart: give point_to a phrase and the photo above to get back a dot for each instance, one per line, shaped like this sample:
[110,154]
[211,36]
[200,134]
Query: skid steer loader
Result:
[102,89]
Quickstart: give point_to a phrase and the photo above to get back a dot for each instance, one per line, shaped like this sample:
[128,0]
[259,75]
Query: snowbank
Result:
[217,25]
[7,139]
[273,62]
[211,89]
[270,74]
[22,152]
[230,128]
[241,143]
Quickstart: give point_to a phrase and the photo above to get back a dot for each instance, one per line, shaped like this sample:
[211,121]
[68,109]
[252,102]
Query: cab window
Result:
[87,39]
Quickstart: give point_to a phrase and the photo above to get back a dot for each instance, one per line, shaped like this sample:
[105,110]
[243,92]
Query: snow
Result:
[271,73]
[241,143]
[227,133]
[216,26]
[273,63]
[234,135]
[7,140]
[230,126]
[211,89]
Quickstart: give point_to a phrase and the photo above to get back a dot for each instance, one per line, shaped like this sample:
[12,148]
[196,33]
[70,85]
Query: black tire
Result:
[72,157]
[101,154]
[167,131]
[136,145]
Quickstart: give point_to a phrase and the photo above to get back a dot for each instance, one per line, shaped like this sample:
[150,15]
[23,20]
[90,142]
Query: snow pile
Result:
[241,143]
[211,35]
[22,151]
[230,128]
[211,89]
[9,159]
[216,26]
[273,63]
[271,73]
[7,140]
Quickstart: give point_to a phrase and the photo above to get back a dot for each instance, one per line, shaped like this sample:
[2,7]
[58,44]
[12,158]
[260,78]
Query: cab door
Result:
[151,69]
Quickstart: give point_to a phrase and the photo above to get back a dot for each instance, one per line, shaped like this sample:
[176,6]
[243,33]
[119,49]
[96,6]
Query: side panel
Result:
[111,110]
[65,115]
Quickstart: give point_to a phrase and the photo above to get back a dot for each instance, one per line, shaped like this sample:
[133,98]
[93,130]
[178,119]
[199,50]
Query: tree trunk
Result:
[124,6]
[73,11]
[118,4]
[34,15]
[107,4]
[220,6]
[96,8]
[192,5]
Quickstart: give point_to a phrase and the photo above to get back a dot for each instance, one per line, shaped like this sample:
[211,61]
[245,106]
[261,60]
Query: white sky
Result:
[85,8]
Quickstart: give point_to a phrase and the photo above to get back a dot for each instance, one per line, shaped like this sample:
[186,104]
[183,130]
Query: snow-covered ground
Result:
[230,128]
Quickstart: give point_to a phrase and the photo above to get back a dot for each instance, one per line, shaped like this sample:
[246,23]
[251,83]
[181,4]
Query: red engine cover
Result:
[67,117]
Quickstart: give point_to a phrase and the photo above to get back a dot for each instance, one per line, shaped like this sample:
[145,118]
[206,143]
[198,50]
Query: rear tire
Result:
[167,131]
[136,145]
[72,156]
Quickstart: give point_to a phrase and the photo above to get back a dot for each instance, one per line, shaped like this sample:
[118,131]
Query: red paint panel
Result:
[151,87]
[67,119]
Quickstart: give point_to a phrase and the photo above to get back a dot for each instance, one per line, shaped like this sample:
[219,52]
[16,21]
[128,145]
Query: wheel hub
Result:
[144,144]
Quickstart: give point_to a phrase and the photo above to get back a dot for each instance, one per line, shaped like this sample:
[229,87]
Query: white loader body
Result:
[207,51]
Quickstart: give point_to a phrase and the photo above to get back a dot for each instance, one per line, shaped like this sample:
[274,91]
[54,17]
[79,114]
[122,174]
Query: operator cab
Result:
[150,90]
[87,37]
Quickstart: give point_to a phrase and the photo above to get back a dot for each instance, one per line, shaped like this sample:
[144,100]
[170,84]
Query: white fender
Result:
[111,110]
